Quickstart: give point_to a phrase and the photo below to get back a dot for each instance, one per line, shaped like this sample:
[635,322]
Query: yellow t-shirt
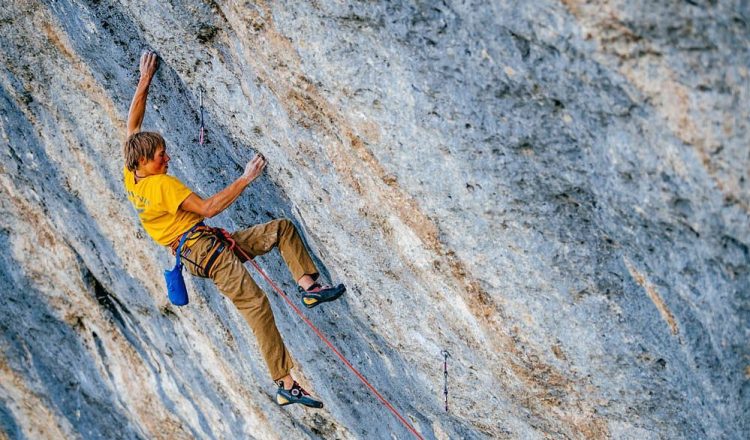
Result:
[157,199]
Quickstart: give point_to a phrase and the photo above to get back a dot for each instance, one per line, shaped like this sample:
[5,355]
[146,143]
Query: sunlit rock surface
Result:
[554,192]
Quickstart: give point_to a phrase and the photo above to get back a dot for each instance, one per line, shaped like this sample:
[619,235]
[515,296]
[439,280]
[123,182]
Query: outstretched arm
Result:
[221,200]
[149,64]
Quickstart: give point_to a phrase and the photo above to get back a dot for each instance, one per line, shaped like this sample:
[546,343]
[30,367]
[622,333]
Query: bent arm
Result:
[148,66]
[218,202]
[221,200]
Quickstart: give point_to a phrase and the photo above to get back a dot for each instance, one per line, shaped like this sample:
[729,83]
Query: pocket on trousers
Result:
[197,256]
[207,264]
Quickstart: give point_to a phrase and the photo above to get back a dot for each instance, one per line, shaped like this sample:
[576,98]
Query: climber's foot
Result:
[296,394]
[317,294]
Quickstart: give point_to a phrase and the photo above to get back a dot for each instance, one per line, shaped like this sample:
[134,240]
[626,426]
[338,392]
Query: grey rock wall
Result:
[556,193]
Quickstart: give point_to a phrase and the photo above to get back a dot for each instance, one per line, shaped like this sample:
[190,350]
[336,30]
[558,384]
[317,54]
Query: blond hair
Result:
[141,145]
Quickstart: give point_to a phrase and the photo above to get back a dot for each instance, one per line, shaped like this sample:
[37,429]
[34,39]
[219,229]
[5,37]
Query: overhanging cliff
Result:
[554,192]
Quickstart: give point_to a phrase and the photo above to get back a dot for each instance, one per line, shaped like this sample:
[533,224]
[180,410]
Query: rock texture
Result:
[554,192]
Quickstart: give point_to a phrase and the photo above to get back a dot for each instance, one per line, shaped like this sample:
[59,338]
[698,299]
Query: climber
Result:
[168,210]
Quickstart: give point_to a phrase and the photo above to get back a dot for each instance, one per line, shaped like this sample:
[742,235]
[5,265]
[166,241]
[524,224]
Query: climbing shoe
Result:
[317,294]
[296,394]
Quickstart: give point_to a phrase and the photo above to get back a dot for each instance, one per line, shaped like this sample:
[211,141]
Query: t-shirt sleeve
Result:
[127,179]
[173,193]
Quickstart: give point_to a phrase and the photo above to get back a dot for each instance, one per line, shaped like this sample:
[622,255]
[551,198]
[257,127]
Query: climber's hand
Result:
[254,167]
[149,64]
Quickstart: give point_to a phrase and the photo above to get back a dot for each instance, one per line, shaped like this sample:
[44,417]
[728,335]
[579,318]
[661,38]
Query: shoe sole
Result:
[283,401]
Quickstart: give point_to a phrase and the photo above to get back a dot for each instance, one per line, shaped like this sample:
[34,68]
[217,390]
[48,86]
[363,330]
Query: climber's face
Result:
[158,165]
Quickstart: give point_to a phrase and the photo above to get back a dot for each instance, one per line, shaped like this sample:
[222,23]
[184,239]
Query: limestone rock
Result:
[556,193]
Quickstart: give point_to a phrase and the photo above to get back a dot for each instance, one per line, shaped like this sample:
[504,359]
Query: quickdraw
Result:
[446,355]
[201,135]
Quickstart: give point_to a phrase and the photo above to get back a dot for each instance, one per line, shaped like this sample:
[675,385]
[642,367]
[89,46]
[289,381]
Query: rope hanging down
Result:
[324,339]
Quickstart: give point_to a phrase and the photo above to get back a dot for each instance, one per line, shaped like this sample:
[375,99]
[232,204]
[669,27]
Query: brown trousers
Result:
[233,280]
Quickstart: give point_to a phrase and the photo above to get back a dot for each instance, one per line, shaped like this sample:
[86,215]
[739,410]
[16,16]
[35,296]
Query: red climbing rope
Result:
[324,339]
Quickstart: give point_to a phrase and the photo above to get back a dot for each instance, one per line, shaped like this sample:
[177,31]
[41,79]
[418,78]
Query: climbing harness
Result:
[446,355]
[217,246]
[245,257]
[201,135]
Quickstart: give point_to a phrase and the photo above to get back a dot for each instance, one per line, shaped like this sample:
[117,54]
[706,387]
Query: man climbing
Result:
[168,210]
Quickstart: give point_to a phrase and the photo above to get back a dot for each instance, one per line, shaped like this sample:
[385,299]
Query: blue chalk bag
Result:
[176,289]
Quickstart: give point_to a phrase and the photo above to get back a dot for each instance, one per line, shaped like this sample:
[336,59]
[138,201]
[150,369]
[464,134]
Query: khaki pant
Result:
[233,280]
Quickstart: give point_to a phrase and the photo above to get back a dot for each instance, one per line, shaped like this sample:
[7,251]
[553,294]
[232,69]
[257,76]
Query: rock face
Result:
[556,193]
